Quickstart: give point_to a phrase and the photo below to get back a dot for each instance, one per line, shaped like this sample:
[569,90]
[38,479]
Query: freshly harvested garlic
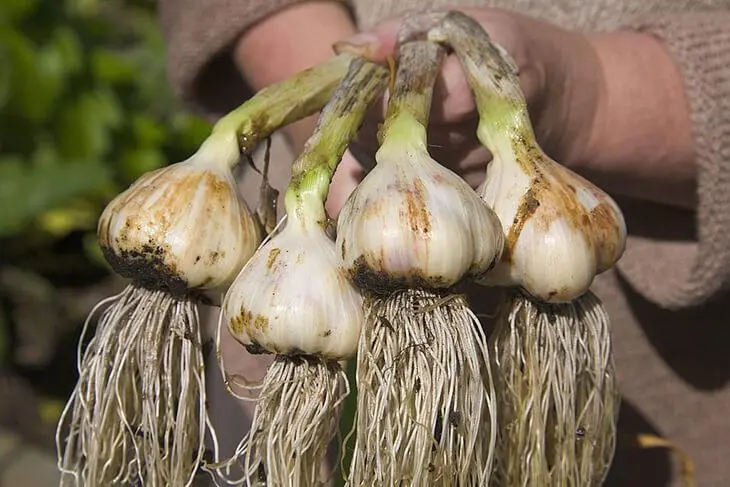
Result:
[560,230]
[412,222]
[183,227]
[292,298]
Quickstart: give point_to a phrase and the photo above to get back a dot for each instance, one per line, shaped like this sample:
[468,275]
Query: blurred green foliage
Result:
[85,109]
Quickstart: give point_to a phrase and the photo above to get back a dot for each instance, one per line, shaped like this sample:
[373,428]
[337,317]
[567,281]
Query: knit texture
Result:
[698,268]
[200,36]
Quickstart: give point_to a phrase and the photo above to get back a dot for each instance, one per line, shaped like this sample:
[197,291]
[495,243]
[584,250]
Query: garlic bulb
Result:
[413,222]
[561,230]
[292,299]
[183,227]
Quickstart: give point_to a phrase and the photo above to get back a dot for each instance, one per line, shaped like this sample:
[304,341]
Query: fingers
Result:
[375,45]
[452,98]
[348,175]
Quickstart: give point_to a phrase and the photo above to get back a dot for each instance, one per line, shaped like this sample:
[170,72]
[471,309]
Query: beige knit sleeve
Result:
[683,271]
[199,36]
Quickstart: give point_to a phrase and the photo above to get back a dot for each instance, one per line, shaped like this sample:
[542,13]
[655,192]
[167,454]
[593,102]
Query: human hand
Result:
[560,75]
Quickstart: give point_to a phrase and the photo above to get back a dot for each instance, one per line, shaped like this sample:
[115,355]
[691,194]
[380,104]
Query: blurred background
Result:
[85,108]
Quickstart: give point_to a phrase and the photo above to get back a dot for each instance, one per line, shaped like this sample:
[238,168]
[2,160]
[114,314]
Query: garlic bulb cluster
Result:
[291,298]
[413,222]
[183,227]
[560,230]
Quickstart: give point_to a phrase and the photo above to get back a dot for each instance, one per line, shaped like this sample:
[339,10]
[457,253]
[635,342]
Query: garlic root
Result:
[140,378]
[426,403]
[557,393]
[295,420]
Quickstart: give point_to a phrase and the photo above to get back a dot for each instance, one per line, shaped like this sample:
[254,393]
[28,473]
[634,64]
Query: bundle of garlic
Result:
[411,231]
[138,413]
[291,299]
[554,370]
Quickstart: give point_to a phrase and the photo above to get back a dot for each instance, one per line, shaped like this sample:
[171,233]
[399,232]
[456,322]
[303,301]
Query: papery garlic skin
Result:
[413,222]
[183,227]
[291,298]
[561,230]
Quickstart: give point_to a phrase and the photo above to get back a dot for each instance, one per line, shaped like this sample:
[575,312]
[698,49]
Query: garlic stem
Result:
[504,121]
[338,124]
[418,64]
[284,103]
[220,150]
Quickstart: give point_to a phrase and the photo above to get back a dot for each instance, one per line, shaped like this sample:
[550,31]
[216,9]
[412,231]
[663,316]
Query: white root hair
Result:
[426,402]
[295,420]
[557,392]
[138,413]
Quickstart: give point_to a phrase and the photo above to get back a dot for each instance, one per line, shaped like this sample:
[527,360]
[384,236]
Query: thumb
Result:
[374,45]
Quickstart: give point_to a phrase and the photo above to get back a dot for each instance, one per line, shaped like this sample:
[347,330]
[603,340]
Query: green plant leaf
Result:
[84,8]
[28,189]
[110,66]
[36,76]
[16,10]
[78,214]
[147,131]
[141,160]
[84,127]
[66,46]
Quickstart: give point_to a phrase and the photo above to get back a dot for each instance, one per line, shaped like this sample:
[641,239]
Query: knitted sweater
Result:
[670,317]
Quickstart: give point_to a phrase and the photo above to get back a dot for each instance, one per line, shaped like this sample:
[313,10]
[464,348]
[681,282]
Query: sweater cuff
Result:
[676,274]
[200,35]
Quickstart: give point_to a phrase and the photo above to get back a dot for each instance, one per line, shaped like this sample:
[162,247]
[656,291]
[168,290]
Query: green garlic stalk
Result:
[181,234]
[284,103]
[556,381]
[410,232]
[293,300]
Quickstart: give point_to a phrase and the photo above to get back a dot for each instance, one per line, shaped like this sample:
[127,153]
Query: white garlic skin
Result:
[413,222]
[183,227]
[291,298]
[554,249]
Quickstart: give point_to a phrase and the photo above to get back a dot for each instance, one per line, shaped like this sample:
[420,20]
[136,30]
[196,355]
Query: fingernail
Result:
[362,39]
[364,44]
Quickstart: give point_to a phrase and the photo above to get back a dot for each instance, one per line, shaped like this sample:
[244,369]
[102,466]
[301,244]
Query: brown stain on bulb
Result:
[271,259]
[215,255]
[553,194]
[608,233]
[248,322]
[528,206]
[156,204]
[419,217]
[373,209]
